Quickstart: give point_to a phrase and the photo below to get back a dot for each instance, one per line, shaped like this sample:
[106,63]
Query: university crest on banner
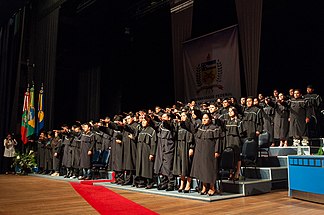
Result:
[209,75]
[211,66]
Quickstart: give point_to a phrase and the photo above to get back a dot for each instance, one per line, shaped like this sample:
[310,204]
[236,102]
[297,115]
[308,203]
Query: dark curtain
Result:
[249,15]
[43,54]
[181,23]
[89,94]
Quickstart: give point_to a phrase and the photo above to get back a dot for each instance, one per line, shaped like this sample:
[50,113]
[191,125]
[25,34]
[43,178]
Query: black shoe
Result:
[170,189]
[186,191]
[126,183]
[180,190]
[162,187]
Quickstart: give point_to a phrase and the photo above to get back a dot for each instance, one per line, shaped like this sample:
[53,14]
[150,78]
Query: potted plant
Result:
[24,162]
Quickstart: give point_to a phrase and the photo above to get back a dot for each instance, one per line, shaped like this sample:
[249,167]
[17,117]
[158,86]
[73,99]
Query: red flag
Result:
[24,118]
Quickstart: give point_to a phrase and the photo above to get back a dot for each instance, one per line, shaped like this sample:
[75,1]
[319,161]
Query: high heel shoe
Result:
[236,178]
[203,193]
[180,190]
[211,193]
[186,190]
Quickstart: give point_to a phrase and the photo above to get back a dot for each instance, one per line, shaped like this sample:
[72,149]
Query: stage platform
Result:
[193,195]
[271,173]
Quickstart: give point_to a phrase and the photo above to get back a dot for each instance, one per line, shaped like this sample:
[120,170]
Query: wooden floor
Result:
[34,195]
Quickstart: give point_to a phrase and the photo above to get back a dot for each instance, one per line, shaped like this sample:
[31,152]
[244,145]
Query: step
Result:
[247,187]
[272,161]
[270,173]
[292,150]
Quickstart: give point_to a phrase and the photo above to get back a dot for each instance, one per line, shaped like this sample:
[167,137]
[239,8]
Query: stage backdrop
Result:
[211,66]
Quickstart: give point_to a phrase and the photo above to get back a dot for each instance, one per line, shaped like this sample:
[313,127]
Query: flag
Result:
[40,118]
[24,118]
[31,113]
[211,66]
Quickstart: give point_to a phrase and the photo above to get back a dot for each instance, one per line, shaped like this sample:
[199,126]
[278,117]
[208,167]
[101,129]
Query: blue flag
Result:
[40,118]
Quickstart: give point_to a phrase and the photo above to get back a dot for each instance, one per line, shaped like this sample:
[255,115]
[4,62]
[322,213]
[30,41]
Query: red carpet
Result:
[106,201]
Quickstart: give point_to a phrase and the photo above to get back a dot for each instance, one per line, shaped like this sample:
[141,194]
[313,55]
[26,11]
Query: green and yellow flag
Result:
[31,113]
[24,118]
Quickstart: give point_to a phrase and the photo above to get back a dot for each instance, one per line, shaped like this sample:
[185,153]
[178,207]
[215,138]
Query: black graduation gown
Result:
[280,122]
[184,142]
[269,125]
[252,121]
[48,155]
[146,146]
[233,136]
[116,148]
[87,144]
[107,143]
[315,107]
[165,150]
[66,142]
[205,165]
[298,112]
[41,153]
[56,148]
[129,148]
[75,150]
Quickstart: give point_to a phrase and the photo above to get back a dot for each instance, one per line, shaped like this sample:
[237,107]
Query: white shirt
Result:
[9,147]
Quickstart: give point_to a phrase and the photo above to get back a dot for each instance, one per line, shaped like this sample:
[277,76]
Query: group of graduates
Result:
[183,141]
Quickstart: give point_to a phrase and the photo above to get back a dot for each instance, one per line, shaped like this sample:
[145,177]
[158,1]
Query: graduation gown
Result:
[298,112]
[129,146]
[252,121]
[205,165]
[41,153]
[184,142]
[165,150]
[146,146]
[75,150]
[233,136]
[280,122]
[48,155]
[66,142]
[56,148]
[87,144]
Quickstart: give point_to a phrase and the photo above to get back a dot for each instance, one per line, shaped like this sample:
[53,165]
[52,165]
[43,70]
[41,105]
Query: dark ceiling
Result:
[8,8]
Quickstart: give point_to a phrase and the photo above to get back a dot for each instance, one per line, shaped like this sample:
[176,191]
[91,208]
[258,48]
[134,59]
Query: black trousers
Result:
[7,161]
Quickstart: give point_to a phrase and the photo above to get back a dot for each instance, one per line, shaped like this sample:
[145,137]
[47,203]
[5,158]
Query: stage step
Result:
[247,187]
[270,173]
[292,150]
[272,161]
[277,175]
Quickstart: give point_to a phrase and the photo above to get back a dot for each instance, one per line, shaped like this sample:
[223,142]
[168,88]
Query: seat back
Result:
[96,156]
[264,139]
[227,161]
[249,151]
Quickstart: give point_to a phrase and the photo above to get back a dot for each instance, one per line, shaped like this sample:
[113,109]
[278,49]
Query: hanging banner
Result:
[211,66]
